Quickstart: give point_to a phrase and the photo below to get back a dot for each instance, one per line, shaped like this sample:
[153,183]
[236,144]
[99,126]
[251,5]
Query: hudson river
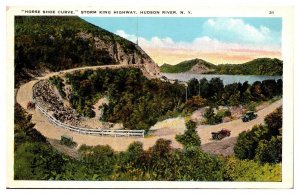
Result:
[227,79]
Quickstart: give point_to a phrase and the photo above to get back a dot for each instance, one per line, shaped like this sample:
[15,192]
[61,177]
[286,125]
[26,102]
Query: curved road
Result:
[52,131]
[226,145]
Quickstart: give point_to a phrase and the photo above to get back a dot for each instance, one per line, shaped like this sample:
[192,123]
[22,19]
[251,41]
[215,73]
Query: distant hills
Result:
[259,66]
[53,43]
[193,66]
[56,43]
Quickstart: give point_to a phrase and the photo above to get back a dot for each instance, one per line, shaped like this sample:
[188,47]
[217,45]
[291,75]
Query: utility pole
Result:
[137,37]
[137,30]
[186,89]
[186,93]
[199,86]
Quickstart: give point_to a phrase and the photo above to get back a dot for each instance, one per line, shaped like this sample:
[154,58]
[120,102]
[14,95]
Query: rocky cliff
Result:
[201,67]
[124,52]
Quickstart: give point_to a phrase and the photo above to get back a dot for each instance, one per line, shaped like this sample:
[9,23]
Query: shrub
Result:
[190,138]
[221,114]
[24,129]
[269,151]
[249,170]
[195,103]
[37,161]
[274,121]
[262,143]
[252,106]
[209,115]
[58,83]
[213,118]
[247,142]
[64,140]
[197,165]
[134,152]
[101,159]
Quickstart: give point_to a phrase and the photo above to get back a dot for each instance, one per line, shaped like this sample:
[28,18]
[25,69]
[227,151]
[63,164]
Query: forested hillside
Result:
[57,43]
[139,103]
[200,66]
[260,66]
[134,100]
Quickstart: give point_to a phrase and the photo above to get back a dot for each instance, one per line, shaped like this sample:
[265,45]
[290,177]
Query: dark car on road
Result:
[250,115]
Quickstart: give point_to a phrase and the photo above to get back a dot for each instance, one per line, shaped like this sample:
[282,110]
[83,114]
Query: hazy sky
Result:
[217,40]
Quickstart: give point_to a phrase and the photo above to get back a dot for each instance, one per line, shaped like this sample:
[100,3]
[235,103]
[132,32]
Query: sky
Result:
[217,40]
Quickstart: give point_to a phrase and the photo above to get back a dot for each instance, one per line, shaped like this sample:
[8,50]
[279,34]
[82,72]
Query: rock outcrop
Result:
[125,52]
[196,66]
[200,68]
[45,97]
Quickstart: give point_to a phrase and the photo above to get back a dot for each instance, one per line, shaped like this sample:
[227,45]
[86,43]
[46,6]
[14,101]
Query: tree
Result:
[269,88]
[279,87]
[134,152]
[211,117]
[269,151]
[244,92]
[262,143]
[161,149]
[37,161]
[190,138]
[231,95]
[101,158]
[274,121]
[200,166]
[193,87]
[249,170]
[195,103]
[205,90]
[247,142]
[24,129]
[257,91]
[159,158]
[217,87]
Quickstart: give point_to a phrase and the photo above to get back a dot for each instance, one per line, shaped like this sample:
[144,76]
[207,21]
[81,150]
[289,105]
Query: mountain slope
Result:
[259,66]
[55,43]
[193,66]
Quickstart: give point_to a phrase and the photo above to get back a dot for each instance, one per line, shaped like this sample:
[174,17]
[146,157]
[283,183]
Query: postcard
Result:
[150,97]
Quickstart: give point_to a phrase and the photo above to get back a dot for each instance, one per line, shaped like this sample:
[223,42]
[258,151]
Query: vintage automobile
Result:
[250,115]
[220,134]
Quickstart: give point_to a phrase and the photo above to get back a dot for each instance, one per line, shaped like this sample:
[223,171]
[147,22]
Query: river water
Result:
[227,79]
